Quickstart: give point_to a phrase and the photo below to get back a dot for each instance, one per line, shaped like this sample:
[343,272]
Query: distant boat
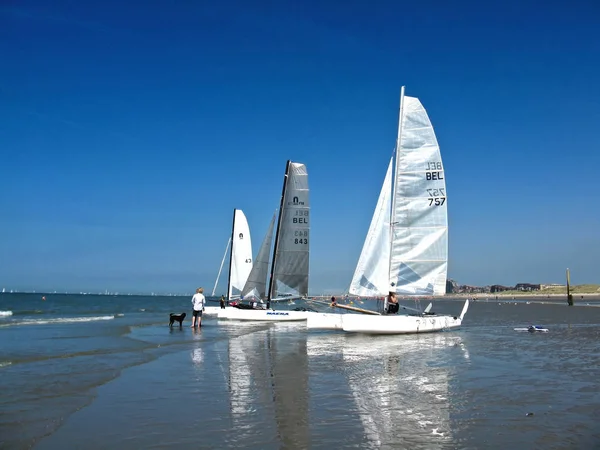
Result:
[289,266]
[406,248]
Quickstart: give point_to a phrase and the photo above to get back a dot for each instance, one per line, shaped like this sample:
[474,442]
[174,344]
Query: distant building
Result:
[499,288]
[550,286]
[527,287]
[451,287]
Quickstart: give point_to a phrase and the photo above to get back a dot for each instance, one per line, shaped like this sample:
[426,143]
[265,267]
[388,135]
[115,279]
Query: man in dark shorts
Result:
[198,301]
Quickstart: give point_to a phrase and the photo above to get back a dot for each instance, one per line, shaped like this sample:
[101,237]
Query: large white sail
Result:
[419,251]
[241,254]
[371,277]
[290,261]
[256,285]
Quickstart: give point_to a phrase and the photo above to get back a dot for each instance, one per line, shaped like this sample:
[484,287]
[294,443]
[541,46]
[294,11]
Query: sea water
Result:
[107,371]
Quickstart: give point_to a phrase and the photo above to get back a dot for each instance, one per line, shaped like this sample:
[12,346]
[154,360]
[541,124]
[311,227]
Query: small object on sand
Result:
[533,329]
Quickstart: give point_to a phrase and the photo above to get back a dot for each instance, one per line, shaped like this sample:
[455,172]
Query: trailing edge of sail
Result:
[256,285]
[241,254]
[371,277]
[419,250]
[291,253]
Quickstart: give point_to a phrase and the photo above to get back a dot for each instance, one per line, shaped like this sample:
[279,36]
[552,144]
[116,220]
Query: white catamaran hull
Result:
[400,324]
[211,310]
[325,321]
[262,315]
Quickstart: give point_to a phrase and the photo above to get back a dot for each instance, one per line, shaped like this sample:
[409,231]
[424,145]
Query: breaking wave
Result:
[59,320]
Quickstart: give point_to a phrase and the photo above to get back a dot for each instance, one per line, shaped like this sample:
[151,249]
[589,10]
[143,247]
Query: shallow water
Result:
[130,381]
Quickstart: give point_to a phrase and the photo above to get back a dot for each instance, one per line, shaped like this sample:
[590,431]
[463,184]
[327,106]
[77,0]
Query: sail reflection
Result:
[268,388]
[399,385]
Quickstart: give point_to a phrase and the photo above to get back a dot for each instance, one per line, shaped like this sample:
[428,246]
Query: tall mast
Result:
[231,257]
[395,175]
[285,179]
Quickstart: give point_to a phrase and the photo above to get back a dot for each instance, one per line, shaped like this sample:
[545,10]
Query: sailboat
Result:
[240,259]
[288,276]
[406,248]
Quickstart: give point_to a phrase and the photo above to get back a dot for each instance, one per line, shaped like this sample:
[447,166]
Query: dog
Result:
[176,317]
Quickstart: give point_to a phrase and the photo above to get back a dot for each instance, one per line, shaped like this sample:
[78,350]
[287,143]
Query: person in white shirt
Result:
[198,301]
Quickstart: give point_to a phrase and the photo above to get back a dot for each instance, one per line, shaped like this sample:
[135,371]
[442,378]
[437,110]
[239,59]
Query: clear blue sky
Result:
[130,130]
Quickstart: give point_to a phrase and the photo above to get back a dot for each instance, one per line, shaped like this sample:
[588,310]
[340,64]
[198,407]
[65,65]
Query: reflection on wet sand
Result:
[291,389]
[268,377]
[399,385]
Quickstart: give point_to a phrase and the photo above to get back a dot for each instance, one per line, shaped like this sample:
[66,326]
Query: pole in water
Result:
[569,295]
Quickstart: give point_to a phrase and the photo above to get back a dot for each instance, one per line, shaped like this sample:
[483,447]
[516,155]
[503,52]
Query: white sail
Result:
[419,252]
[371,277]
[290,261]
[241,254]
[256,285]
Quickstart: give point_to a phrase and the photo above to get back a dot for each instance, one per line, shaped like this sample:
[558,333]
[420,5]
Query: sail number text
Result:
[434,170]
[437,197]
[300,216]
[301,237]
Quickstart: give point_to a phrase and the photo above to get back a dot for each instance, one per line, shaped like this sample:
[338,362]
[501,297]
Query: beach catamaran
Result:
[288,277]
[406,248]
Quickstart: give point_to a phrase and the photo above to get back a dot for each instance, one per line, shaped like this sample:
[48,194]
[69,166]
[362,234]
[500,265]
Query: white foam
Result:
[61,320]
[5,313]
[5,363]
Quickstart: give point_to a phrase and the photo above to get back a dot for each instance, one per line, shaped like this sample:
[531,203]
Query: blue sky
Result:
[130,130]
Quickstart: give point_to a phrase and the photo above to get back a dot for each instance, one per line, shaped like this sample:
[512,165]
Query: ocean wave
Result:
[6,313]
[59,320]
[5,363]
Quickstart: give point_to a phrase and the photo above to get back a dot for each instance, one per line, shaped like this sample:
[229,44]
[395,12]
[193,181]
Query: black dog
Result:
[176,317]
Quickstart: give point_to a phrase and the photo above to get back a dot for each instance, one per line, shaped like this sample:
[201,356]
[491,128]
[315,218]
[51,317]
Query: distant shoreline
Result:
[528,294]
[548,297]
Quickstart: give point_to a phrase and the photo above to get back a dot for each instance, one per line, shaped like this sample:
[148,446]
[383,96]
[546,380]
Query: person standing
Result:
[198,302]
[222,302]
